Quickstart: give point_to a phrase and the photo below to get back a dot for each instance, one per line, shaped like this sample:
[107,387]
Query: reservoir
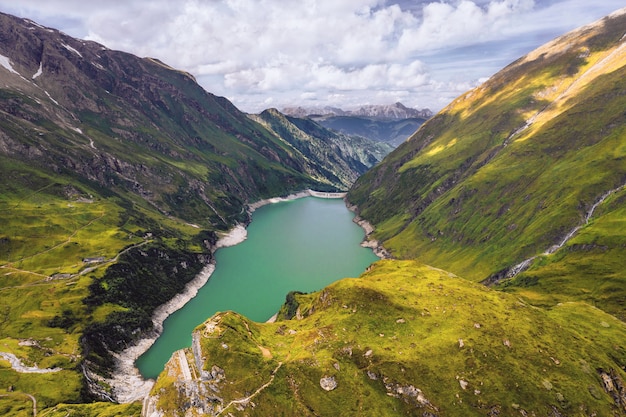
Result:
[298,245]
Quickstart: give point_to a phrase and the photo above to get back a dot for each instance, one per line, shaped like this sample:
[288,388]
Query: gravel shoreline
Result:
[127,383]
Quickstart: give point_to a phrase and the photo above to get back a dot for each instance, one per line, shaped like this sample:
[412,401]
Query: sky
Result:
[314,53]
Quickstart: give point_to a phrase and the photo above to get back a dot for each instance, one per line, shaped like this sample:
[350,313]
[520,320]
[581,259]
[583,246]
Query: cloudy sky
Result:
[345,53]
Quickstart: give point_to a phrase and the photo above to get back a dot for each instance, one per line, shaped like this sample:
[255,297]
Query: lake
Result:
[298,245]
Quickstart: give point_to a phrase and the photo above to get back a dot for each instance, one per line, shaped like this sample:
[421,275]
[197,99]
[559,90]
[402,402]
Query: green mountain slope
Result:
[338,156]
[403,339]
[510,169]
[118,173]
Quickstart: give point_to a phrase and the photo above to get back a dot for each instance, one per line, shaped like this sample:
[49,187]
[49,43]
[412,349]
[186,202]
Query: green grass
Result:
[589,268]
[400,325]
[454,196]
[50,225]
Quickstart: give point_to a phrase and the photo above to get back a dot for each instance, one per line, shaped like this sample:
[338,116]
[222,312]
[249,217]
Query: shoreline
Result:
[367,242]
[128,385]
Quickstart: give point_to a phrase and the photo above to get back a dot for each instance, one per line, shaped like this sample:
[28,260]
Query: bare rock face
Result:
[328,383]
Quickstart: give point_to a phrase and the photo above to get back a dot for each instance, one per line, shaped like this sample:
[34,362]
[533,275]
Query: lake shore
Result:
[127,383]
[368,242]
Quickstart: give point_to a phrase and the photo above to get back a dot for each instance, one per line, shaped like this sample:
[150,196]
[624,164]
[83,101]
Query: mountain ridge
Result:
[528,140]
[354,154]
[396,111]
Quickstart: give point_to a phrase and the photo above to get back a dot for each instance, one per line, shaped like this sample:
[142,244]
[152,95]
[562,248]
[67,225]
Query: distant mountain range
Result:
[396,111]
[391,124]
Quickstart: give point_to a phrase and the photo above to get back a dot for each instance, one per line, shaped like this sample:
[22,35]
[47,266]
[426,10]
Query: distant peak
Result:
[394,111]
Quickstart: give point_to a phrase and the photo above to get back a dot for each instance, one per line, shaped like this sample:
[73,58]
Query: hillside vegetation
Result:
[403,339]
[510,169]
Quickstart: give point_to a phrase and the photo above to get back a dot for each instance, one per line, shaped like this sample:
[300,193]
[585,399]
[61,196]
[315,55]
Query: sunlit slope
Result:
[404,339]
[509,169]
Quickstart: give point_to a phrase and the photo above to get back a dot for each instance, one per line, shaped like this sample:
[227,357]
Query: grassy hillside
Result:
[509,169]
[403,339]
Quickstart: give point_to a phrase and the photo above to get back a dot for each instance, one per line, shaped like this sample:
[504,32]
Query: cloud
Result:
[254,50]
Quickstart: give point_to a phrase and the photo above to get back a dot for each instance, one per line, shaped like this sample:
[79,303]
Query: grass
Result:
[393,327]
[456,197]
[50,225]
[586,269]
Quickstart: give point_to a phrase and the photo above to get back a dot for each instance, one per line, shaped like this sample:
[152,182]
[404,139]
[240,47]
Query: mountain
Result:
[343,158]
[392,132]
[396,111]
[518,189]
[391,124]
[118,173]
[520,181]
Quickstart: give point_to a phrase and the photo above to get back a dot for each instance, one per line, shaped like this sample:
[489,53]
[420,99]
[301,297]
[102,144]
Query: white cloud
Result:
[423,51]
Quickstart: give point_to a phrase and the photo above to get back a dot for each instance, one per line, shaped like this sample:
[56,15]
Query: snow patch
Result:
[50,97]
[6,63]
[39,71]
[69,48]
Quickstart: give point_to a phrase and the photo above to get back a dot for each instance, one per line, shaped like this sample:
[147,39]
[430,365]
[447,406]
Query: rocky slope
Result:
[138,125]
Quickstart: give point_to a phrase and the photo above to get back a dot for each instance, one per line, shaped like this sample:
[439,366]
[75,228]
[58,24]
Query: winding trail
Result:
[522,266]
[30,396]
[247,399]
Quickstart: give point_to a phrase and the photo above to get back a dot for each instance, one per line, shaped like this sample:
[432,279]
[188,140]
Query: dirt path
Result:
[247,399]
[30,397]
[18,366]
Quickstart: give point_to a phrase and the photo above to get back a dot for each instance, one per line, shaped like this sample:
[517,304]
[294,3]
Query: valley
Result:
[501,220]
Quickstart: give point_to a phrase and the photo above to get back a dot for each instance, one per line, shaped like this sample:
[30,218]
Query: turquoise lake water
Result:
[299,245]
